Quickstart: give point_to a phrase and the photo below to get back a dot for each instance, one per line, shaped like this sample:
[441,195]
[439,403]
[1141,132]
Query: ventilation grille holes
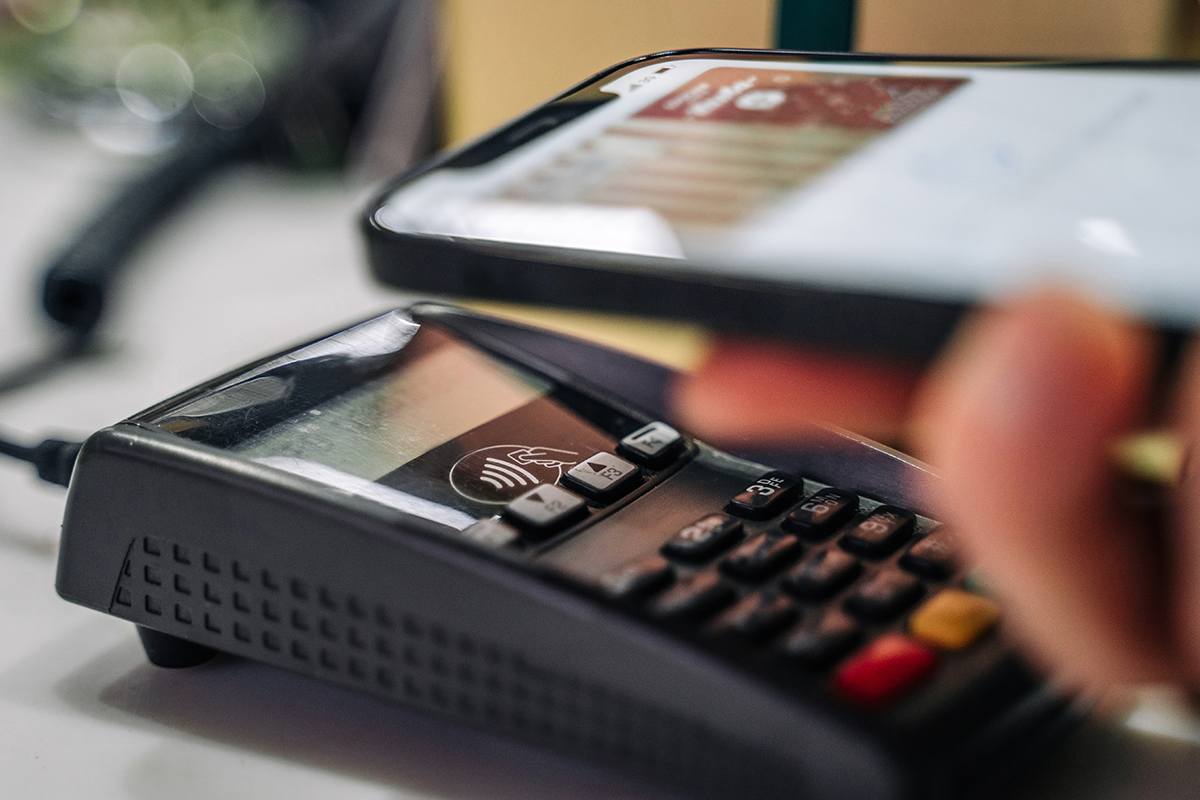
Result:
[291,621]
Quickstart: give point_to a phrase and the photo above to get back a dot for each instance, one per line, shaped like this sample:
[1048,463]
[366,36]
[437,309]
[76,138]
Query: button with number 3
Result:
[765,497]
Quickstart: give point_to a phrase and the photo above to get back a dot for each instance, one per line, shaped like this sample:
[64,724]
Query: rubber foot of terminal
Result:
[165,650]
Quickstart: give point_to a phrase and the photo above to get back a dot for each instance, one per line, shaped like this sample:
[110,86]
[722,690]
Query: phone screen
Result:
[950,182]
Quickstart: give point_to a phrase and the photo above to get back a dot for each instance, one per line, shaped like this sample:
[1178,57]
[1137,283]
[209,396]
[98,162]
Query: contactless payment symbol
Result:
[501,472]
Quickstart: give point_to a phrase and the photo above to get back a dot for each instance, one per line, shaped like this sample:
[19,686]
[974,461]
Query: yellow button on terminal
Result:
[953,619]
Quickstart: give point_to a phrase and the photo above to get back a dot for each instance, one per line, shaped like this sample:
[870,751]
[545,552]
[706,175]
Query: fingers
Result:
[759,392]
[1019,421]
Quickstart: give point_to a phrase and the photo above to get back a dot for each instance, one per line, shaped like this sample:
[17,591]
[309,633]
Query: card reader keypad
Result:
[873,615]
[812,579]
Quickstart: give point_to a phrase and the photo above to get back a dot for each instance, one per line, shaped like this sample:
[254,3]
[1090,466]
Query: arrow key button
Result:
[603,476]
[545,509]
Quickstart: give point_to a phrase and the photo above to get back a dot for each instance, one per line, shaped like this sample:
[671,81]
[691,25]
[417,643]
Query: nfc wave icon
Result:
[499,473]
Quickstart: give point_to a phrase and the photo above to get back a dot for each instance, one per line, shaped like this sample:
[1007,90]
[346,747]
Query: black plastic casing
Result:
[195,542]
[896,326]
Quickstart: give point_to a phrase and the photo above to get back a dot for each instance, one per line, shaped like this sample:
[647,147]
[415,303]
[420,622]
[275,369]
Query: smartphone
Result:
[858,202]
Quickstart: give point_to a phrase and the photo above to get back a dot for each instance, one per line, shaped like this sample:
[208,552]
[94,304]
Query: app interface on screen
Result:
[731,141]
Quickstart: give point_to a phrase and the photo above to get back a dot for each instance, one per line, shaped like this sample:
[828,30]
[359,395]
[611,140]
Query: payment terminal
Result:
[428,507]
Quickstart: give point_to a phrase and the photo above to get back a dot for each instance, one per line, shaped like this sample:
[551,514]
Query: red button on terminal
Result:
[884,670]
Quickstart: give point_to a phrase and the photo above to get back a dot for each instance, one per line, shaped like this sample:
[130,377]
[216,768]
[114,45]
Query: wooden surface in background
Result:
[1110,28]
[503,57]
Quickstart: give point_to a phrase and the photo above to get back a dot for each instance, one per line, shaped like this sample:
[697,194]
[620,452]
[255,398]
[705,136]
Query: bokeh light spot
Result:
[154,82]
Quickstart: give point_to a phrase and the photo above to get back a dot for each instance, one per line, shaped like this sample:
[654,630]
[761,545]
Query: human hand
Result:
[1019,417]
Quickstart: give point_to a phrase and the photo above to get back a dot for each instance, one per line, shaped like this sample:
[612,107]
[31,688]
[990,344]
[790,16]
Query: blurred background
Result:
[130,74]
[179,187]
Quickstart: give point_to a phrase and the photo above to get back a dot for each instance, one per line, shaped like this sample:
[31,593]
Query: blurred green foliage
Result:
[71,48]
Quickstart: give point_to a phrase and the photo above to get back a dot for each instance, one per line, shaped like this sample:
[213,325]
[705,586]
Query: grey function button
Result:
[492,532]
[603,475]
[544,509]
[652,444]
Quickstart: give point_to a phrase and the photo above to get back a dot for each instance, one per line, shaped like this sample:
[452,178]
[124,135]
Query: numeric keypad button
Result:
[954,619]
[760,556]
[694,597]
[822,513]
[820,644]
[880,532]
[885,670]
[824,574]
[758,616]
[638,578]
[766,497]
[934,555]
[704,537]
[884,595]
